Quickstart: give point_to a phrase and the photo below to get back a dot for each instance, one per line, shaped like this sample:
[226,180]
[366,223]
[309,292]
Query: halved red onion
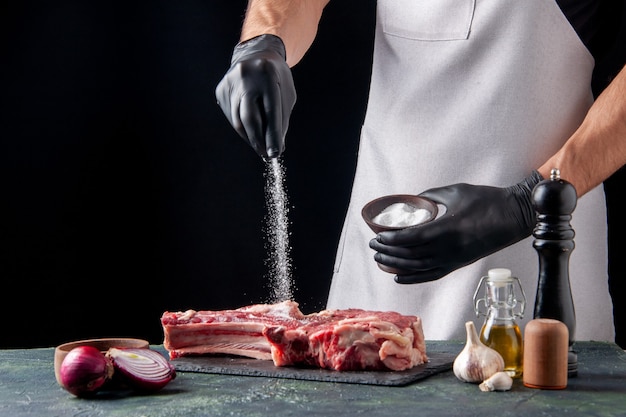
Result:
[143,369]
[84,370]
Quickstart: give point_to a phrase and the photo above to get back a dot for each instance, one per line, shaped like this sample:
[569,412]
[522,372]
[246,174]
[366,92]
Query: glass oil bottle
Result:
[502,302]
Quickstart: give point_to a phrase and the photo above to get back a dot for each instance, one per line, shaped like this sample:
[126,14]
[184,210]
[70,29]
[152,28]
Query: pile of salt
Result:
[401,215]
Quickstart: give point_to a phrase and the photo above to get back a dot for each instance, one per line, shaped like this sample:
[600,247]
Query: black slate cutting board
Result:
[438,362]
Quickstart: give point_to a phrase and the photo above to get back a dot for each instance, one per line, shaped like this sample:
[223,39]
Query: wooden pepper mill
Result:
[554,200]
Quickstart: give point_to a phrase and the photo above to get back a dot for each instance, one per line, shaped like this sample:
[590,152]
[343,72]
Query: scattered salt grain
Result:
[401,215]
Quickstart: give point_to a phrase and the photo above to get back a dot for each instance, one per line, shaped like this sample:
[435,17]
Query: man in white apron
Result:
[492,93]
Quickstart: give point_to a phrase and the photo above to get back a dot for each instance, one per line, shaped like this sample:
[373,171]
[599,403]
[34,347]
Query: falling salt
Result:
[277,233]
[401,215]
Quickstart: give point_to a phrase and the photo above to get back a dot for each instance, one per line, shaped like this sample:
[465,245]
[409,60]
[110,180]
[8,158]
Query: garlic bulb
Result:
[477,361]
[500,381]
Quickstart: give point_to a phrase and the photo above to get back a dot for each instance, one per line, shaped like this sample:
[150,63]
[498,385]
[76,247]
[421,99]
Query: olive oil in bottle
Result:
[500,330]
[506,339]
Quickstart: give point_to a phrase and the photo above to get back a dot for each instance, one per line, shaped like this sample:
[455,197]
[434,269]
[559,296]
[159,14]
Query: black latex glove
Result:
[257,94]
[479,220]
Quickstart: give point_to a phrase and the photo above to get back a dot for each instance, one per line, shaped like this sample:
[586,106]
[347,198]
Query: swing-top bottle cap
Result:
[499,274]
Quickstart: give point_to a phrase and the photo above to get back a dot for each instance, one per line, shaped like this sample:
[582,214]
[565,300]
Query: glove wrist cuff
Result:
[523,190]
[532,180]
[266,42]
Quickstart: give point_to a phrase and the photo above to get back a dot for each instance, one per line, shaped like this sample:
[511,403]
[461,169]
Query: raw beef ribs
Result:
[236,332]
[343,340]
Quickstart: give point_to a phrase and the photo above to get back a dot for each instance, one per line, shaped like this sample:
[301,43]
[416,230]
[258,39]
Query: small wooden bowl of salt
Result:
[397,212]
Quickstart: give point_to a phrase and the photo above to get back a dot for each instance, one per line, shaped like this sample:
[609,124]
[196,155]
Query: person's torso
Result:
[477,91]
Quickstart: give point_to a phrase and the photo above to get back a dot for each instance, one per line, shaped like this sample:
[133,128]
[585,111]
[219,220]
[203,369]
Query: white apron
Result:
[476,91]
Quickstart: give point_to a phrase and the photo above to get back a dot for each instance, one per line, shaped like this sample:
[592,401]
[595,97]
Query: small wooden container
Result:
[546,347]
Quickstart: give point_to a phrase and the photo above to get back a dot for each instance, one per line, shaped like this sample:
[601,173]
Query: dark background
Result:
[125,192]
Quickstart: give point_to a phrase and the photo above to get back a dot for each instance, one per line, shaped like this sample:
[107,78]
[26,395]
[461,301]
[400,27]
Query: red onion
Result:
[84,370]
[143,369]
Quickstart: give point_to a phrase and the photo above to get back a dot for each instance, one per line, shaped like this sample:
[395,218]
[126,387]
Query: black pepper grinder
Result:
[554,200]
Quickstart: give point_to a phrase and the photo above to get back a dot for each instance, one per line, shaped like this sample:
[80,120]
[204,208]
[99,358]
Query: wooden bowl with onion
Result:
[412,203]
[61,351]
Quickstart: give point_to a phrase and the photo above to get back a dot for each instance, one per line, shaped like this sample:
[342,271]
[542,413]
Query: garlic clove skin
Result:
[477,361]
[500,381]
